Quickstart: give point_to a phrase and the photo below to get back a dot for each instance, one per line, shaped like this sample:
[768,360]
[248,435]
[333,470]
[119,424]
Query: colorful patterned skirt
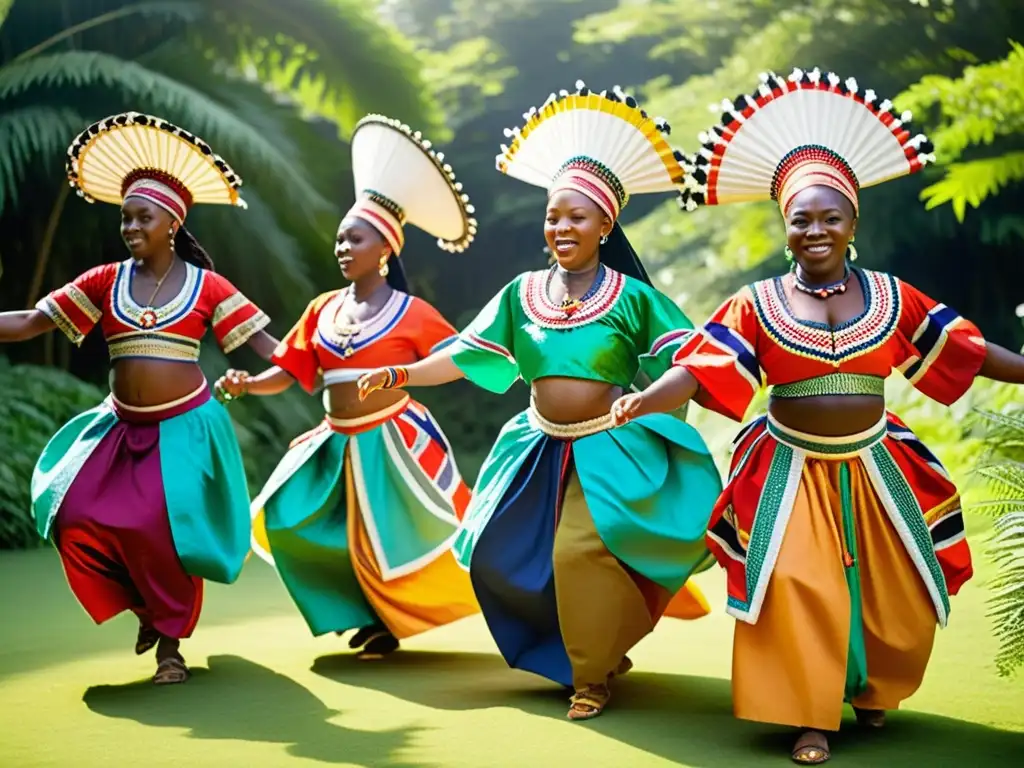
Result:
[359,518]
[579,538]
[142,505]
[840,555]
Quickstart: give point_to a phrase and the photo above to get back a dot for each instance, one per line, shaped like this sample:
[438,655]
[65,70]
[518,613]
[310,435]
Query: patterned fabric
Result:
[405,330]
[170,332]
[754,339]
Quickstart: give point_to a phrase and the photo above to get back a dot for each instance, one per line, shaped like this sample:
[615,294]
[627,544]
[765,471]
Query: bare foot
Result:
[811,749]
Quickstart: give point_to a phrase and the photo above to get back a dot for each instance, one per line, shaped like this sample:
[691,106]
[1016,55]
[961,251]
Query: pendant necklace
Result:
[149,318]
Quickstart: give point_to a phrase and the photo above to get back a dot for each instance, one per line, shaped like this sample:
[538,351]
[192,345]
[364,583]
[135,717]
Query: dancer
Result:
[144,495]
[360,514]
[578,537]
[840,533]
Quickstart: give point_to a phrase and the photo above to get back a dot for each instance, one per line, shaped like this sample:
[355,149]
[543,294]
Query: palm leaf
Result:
[30,134]
[5,7]
[147,90]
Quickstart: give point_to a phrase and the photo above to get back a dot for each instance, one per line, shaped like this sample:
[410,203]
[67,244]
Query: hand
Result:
[627,408]
[372,381]
[232,385]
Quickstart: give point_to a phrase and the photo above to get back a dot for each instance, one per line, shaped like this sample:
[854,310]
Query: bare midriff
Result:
[569,401]
[829,415]
[342,401]
[144,383]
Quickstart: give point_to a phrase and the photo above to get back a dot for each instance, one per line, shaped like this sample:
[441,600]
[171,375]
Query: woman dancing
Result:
[840,533]
[360,514]
[579,536]
[129,537]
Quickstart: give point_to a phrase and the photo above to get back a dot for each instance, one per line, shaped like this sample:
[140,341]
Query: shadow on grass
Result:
[679,718]
[237,699]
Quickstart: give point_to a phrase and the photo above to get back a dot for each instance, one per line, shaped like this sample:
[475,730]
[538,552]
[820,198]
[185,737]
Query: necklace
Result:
[823,291]
[569,305]
[149,318]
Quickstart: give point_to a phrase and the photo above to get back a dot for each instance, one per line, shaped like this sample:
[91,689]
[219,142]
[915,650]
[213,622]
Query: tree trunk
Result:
[43,257]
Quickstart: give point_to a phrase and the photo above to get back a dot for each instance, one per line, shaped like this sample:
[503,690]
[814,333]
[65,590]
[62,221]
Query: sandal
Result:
[589,702]
[811,749]
[870,718]
[378,646]
[171,671]
[147,638]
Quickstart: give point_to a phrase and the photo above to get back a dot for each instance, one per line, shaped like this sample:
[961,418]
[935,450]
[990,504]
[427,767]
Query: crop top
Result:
[625,327]
[405,330]
[754,339]
[170,332]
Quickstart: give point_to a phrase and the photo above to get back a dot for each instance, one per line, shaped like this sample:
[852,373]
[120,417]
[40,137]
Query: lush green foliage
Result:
[37,401]
[1002,468]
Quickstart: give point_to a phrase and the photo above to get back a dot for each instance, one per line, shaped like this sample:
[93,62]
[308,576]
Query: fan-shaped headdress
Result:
[805,130]
[136,155]
[399,179]
[600,144]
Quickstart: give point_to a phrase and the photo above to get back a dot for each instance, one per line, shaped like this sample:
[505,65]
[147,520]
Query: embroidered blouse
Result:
[625,327]
[171,332]
[405,330]
[755,339]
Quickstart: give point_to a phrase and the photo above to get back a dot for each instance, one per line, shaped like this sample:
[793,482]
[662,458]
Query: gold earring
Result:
[851,252]
[383,268]
[170,233]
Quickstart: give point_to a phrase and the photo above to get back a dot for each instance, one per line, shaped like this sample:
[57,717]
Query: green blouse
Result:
[626,327]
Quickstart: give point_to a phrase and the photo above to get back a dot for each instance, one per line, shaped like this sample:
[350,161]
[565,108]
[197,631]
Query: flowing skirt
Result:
[841,554]
[577,543]
[359,518]
[142,505]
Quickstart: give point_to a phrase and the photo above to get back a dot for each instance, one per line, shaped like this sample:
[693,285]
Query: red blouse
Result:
[170,332]
[405,330]
[754,339]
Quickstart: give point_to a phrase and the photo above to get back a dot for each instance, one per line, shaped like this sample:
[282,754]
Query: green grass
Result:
[266,694]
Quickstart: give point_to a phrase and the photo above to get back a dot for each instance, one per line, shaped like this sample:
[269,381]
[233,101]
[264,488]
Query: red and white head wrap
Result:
[599,144]
[400,179]
[159,188]
[810,129]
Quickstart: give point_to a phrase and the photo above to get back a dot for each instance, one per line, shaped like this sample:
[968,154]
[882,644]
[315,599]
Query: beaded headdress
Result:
[600,144]
[400,179]
[806,130]
[136,155]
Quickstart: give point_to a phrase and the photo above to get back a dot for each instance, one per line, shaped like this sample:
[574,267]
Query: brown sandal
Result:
[870,718]
[171,671]
[811,749]
[589,703]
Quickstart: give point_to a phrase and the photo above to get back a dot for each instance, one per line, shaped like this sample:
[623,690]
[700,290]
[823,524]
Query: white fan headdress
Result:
[399,179]
[138,155]
[806,130]
[600,144]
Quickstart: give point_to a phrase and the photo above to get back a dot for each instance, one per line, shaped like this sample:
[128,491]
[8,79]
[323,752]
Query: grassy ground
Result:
[266,694]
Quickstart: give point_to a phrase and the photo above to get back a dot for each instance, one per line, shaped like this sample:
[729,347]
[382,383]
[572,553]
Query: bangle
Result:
[396,377]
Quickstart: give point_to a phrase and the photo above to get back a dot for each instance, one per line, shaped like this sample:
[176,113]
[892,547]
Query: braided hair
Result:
[189,249]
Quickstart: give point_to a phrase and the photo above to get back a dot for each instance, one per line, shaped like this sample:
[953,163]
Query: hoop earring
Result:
[383,268]
[789,254]
[604,239]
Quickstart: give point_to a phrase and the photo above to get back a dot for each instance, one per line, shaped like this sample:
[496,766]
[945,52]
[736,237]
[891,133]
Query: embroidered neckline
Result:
[130,312]
[868,330]
[542,311]
[376,327]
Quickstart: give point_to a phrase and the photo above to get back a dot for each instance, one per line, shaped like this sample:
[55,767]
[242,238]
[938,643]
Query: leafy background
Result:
[276,87]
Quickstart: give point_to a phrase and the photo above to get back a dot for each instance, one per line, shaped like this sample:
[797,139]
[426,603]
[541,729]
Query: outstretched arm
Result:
[1002,365]
[233,384]
[431,371]
[24,325]
[671,391]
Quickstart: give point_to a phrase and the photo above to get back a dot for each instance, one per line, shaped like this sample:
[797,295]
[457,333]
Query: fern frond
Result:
[151,91]
[971,183]
[27,135]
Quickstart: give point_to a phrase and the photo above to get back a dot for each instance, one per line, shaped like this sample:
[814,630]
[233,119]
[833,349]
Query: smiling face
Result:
[573,228]
[145,227]
[359,248]
[819,227]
